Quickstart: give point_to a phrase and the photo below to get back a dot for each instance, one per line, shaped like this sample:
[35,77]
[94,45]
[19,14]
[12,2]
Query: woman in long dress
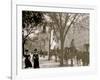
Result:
[36,59]
[28,63]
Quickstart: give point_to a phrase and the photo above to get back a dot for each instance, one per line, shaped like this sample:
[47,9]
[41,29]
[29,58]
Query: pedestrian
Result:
[36,59]
[28,63]
[41,53]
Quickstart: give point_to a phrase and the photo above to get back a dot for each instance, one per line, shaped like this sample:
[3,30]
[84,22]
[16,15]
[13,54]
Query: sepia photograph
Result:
[55,39]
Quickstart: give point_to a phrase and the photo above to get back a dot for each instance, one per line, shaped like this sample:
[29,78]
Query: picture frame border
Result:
[14,73]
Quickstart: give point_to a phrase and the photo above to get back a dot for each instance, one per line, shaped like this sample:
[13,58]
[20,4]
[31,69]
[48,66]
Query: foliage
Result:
[31,17]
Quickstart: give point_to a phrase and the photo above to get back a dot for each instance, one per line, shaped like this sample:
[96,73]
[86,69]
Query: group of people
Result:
[34,62]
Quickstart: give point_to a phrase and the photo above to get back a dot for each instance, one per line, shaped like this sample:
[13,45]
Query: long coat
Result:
[27,61]
[36,60]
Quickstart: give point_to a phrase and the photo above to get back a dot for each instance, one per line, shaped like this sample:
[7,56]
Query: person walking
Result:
[28,63]
[36,59]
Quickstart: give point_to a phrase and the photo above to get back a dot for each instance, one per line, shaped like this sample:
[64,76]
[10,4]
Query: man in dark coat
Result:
[36,59]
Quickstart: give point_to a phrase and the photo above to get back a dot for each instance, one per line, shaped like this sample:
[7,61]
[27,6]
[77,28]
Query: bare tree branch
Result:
[70,26]
[28,34]
[55,20]
[60,20]
[66,20]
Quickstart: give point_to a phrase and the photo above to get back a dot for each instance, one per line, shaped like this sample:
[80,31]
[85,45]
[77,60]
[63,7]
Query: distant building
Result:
[54,41]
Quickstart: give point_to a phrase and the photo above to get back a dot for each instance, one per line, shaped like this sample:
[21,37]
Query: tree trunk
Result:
[44,49]
[62,52]
[55,55]
[49,56]
[23,42]
[71,62]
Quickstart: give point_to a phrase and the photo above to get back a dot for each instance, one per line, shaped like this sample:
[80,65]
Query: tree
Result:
[61,23]
[30,19]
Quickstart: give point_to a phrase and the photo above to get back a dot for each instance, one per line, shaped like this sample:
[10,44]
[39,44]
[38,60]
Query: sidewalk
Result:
[45,63]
